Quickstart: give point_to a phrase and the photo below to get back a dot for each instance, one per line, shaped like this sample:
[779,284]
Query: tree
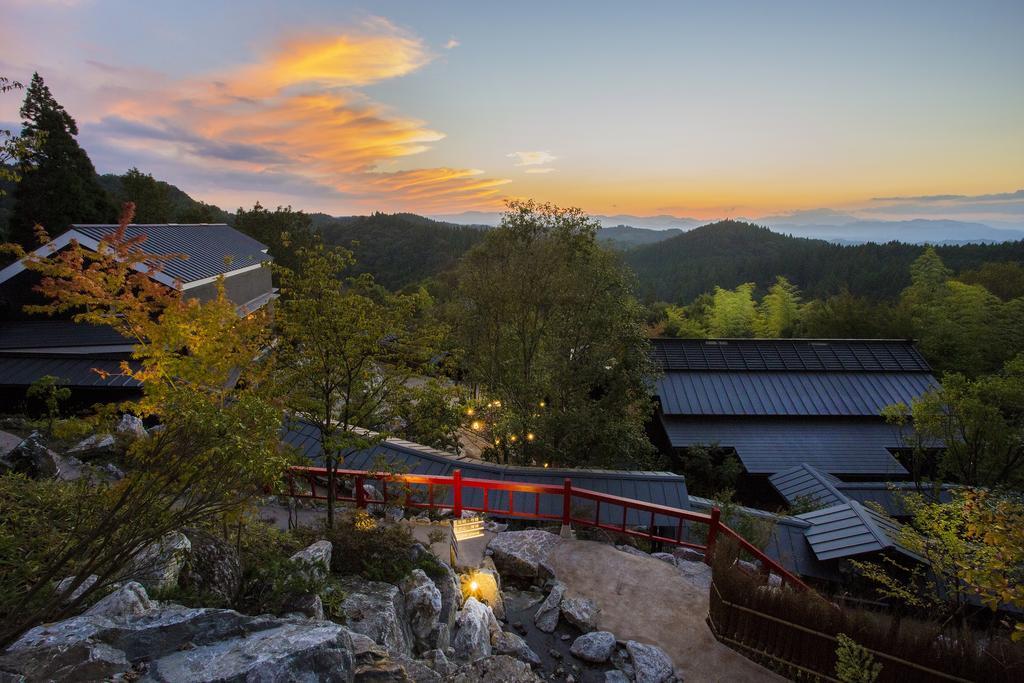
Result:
[13,147]
[678,324]
[51,393]
[218,448]
[779,311]
[733,313]
[347,351]
[551,333]
[59,184]
[1005,279]
[150,197]
[979,423]
[284,231]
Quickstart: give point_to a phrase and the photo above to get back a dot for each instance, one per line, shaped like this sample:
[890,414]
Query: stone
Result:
[451,599]
[422,609]
[596,646]
[665,557]
[95,446]
[696,573]
[748,567]
[505,643]
[546,617]
[615,676]
[82,661]
[520,601]
[495,668]
[580,612]
[131,425]
[212,568]
[111,470]
[371,492]
[394,514]
[522,554]
[377,610]
[688,554]
[66,582]
[129,600]
[630,550]
[314,561]
[305,605]
[158,566]
[438,661]
[488,588]
[474,628]
[31,457]
[650,663]
[774,581]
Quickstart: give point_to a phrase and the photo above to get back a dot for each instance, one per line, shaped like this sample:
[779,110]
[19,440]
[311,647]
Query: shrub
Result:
[854,664]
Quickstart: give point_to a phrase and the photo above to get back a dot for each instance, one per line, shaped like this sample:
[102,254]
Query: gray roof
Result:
[73,371]
[662,488]
[38,334]
[787,544]
[212,249]
[809,483]
[835,355]
[804,482]
[767,446]
[849,530]
[801,393]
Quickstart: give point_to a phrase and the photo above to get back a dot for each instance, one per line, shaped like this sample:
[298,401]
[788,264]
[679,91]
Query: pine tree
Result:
[59,184]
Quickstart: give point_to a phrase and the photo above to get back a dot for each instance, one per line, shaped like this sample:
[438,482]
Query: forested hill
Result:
[730,253]
[400,249]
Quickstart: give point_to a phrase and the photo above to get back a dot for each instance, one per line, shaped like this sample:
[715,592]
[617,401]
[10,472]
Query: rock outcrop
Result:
[497,668]
[212,567]
[158,566]
[505,643]
[314,561]
[131,426]
[31,457]
[522,554]
[474,628]
[546,617]
[580,612]
[95,446]
[377,610]
[126,634]
[422,609]
[650,663]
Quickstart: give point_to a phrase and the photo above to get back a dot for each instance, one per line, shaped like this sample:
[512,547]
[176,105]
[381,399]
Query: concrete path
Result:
[651,601]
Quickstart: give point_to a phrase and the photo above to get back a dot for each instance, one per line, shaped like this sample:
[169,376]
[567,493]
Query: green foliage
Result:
[286,233]
[347,351]
[401,250]
[709,469]
[48,390]
[549,327]
[428,413]
[1005,279]
[678,324]
[733,313]
[779,311]
[151,197]
[13,147]
[854,664]
[58,186]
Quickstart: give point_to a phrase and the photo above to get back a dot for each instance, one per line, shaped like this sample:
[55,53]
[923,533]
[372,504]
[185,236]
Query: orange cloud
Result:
[298,114]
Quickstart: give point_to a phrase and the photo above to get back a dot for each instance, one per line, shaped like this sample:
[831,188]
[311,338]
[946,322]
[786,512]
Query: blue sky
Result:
[690,109]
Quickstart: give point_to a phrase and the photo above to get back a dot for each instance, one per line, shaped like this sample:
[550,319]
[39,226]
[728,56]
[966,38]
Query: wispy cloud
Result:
[451,44]
[296,113]
[536,169]
[537,158]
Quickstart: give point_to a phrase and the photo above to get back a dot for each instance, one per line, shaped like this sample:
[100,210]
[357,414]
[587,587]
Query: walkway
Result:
[650,601]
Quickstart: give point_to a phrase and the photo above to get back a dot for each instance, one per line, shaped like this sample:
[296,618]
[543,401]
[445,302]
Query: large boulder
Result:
[474,628]
[696,573]
[506,643]
[212,568]
[522,554]
[168,642]
[546,617]
[95,446]
[488,587]
[32,458]
[594,647]
[314,562]
[377,610]
[422,609]
[451,598]
[65,584]
[580,612]
[131,426]
[650,663]
[497,668]
[159,565]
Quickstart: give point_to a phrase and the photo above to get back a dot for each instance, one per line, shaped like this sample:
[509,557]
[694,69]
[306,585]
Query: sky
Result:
[706,110]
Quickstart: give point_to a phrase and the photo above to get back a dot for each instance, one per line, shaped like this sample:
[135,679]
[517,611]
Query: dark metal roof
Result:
[72,371]
[788,393]
[767,446]
[212,249]
[40,334]
[804,482]
[849,530]
[663,488]
[826,355]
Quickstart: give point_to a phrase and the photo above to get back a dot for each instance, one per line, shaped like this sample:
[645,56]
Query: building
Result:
[32,346]
[662,488]
[780,403]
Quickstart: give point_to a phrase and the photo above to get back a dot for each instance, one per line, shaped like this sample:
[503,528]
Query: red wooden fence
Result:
[316,479]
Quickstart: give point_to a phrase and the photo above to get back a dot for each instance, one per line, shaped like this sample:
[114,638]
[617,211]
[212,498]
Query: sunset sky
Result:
[887,109]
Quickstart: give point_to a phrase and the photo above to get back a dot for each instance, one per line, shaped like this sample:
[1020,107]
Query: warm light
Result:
[541,404]
[530,436]
[473,586]
[546,464]
[497,442]
[470,411]
[476,425]
[512,438]
[497,404]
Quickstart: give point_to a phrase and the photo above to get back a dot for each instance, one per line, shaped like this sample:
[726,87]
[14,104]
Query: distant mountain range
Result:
[825,224]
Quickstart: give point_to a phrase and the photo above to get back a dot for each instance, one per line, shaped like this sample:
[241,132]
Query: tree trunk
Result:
[332,467]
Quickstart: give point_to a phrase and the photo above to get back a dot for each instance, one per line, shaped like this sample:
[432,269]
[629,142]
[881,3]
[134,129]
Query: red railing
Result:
[316,479]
